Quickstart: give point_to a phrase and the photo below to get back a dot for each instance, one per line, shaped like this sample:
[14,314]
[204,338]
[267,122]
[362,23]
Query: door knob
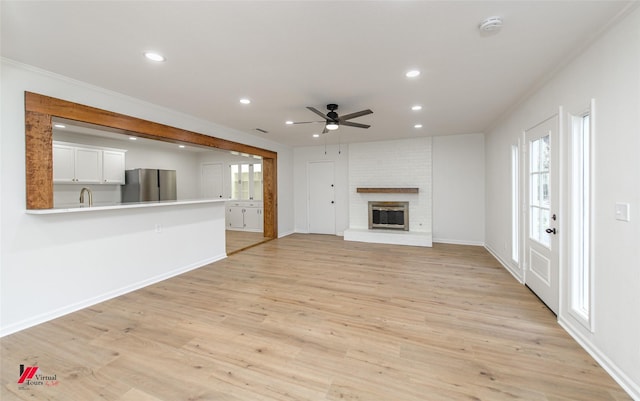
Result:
[550,230]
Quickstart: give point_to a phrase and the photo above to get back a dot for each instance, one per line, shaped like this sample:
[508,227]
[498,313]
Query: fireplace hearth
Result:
[389,215]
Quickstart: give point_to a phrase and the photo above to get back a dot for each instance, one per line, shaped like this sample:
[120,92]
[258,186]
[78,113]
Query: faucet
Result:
[90,196]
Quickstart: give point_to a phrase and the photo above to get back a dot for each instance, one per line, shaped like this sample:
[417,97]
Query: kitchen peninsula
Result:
[134,205]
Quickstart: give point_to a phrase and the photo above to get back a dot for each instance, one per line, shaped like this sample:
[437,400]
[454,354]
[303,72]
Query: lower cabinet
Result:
[245,216]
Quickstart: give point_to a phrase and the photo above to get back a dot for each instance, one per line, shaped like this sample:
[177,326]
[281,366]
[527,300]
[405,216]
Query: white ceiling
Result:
[287,55]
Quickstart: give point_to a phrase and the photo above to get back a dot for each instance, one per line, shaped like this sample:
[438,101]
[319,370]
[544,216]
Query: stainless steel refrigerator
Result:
[146,184]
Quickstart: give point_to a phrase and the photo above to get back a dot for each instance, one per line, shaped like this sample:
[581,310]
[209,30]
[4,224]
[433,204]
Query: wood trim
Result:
[270,200]
[38,160]
[39,110]
[144,128]
[387,190]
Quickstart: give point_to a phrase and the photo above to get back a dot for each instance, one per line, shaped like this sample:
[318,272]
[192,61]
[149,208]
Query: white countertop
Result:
[132,205]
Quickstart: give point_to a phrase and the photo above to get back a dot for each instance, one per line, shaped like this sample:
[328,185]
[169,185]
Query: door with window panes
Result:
[541,239]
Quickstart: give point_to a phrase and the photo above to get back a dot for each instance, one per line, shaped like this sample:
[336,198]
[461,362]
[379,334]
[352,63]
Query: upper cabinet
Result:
[81,164]
[113,166]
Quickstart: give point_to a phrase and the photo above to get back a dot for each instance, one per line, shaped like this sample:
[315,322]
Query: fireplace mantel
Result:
[387,190]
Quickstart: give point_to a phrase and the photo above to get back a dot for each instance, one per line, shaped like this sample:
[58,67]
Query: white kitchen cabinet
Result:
[64,163]
[76,165]
[235,217]
[245,216]
[73,164]
[253,219]
[113,166]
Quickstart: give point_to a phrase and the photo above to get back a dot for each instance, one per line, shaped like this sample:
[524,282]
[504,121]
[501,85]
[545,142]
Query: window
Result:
[246,181]
[580,219]
[539,191]
[515,199]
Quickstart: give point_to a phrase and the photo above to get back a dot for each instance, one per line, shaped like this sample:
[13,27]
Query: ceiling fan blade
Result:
[357,125]
[325,130]
[306,122]
[356,114]
[318,112]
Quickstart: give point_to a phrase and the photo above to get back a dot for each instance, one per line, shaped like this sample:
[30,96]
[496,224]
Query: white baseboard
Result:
[45,317]
[633,389]
[285,233]
[457,242]
[515,273]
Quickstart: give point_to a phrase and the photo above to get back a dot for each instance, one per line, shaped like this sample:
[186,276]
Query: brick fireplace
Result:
[390,171]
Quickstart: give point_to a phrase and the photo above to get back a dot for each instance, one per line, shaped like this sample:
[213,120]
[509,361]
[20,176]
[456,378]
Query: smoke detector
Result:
[491,24]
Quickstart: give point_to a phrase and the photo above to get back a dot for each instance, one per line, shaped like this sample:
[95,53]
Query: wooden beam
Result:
[38,160]
[270,197]
[144,128]
[387,190]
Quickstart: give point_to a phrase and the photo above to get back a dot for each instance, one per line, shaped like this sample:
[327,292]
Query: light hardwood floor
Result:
[311,317]
[240,240]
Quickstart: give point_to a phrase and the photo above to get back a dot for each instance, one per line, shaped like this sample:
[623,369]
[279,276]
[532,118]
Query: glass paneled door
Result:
[541,245]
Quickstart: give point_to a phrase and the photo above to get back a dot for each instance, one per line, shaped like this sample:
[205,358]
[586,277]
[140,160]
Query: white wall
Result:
[301,158]
[54,264]
[401,163]
[609,72]
[458,189]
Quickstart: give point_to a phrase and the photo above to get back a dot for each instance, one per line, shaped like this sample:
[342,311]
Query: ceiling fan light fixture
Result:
[331,126]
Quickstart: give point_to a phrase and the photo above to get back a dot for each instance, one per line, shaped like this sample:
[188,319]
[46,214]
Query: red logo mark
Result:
[27,374]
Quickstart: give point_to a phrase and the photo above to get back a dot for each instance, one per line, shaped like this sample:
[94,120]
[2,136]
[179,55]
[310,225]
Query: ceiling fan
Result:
[332,120]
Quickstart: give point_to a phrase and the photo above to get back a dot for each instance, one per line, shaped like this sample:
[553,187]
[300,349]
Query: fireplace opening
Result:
[389,215]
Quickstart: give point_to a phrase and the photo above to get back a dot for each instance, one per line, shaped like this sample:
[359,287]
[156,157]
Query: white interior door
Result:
[541,236]
[212,180]
[322,218]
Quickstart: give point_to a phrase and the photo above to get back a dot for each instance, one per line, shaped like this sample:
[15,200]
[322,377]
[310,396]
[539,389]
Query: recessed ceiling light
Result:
[316,135]
[153,56]
[245,101]
[417,126]
[181,146]
[416,107]
[133,138]
[59,125]
[288,122]
[412,73]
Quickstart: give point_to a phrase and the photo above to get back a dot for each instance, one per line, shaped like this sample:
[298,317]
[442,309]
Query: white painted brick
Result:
[401,163]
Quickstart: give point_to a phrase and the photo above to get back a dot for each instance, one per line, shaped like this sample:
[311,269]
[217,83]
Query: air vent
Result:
[261,130]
